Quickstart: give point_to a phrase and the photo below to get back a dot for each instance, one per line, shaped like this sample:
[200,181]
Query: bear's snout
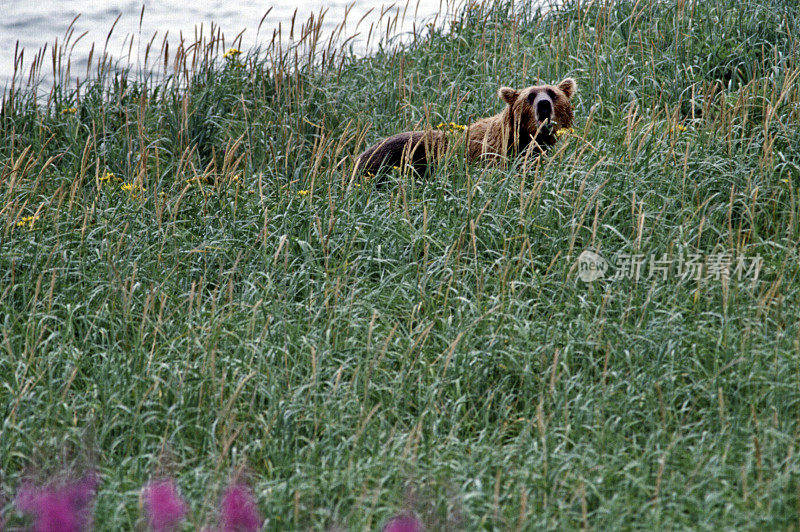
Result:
[544,108]
[542,104]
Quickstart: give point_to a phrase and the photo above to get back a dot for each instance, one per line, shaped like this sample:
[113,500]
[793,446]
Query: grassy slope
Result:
[352,341]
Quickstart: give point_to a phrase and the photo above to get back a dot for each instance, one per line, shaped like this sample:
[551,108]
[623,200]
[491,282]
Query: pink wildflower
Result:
[403,523]
[164,506]
[238,510]
[63,506]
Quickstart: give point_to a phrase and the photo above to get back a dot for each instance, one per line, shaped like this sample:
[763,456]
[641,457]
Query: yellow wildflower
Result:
[784,181]
[451,127]
[28,220]
[233,52]
[302,192]
[680,127]
[357,185]
[108,176]
[564,131]
[69,111]
[133,189]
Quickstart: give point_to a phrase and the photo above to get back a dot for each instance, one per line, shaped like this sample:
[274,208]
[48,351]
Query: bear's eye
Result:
[551,93]
[531,97]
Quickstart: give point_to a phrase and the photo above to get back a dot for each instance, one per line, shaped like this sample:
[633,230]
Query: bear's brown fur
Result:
[530,121]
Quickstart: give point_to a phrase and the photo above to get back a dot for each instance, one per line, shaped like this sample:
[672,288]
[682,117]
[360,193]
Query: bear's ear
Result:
[508,94]
[568,87]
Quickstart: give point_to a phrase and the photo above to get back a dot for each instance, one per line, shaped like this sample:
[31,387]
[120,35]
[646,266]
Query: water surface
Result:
[26,27]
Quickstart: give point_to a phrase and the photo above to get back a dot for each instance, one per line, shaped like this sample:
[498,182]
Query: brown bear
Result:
[530,121]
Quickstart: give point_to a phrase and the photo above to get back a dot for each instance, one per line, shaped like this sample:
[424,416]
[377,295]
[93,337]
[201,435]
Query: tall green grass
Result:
[192,280]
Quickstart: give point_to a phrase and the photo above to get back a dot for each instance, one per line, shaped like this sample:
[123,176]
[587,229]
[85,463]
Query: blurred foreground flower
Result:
[233,52]
[60,506]
[403,523]
[238,510]
[164,506]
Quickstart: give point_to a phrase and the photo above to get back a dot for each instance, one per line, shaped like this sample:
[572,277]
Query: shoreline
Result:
[142,53]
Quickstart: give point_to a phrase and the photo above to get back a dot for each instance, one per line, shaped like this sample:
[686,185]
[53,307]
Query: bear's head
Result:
[539,112]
